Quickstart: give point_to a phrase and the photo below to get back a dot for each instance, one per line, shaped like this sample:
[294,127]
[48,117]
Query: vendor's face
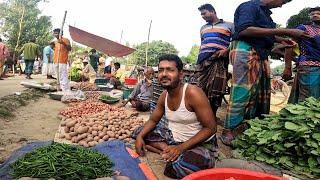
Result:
[149,74]
[169,76]
[207,15]
[56,34]
[315,16]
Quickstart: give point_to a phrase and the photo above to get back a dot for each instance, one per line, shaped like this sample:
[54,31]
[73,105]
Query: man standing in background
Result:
[211,70]
[4,53]
[47,67]
[31,51]
[61,51]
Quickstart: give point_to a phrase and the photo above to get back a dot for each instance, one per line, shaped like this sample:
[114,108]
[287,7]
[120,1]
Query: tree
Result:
[156,49]
[301,18]
[22,21]
[192,56]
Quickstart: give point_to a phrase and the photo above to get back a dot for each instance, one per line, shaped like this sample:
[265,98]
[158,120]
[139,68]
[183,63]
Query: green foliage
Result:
[290,139]
[156,49]
[301,18]
[278,70]
[33,24]
[192,56]
[74,74]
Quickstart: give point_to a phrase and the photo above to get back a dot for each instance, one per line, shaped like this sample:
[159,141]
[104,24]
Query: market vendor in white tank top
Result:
[188,144]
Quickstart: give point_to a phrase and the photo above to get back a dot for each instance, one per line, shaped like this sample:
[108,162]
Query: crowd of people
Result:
[189,143]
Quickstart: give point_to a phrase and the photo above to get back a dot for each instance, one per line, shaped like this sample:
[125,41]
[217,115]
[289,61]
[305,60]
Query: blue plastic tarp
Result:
[115,150]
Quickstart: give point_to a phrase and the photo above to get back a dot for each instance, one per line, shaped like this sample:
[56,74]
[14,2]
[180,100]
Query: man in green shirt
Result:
[30,52]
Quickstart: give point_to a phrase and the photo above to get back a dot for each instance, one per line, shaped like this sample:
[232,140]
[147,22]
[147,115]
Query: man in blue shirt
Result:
[47,66]
[255,34]
[307,79]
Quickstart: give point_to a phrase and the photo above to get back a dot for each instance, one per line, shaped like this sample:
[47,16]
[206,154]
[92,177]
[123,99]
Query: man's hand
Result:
[140,146]
[171,153]
[297,33]
[287,74]
[221,53]
[288,42]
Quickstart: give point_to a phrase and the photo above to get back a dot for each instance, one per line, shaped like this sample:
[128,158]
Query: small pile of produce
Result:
[290,140]
[62,161]
[75,74]
[92,95]
[108,98]
[90,130]
[86,86]
[79,109]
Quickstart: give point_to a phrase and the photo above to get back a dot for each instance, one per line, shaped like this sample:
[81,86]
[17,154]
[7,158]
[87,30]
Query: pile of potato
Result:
[86,86]
[107,125]
[92,95]
[80,109]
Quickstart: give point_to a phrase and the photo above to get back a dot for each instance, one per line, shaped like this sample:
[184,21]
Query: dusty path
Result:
[36,121]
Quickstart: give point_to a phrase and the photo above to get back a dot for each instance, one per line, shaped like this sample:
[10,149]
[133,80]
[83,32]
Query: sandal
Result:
[227,137]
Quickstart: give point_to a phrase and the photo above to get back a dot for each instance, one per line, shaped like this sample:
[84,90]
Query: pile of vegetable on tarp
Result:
[289,140]
[47,159]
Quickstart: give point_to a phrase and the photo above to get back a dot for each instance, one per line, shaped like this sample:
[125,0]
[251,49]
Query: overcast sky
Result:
[175,21]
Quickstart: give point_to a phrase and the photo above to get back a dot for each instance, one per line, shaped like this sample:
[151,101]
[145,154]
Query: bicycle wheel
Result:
[279,92]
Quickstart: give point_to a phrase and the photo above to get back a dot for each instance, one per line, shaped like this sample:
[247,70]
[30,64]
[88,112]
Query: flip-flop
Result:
[227,138]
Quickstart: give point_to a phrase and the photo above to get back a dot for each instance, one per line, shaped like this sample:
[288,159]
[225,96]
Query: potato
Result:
[110,134]
[73,139]
[72,134]
[63,123]
[61,136]
[106,137]
[110,139]
[82,136]
[67,136]
[72,129]
[122,178]
[71,123]
[94,133]
[91,143]
[82,129]
[85,144]
[66,129]
[89,138]
[100,128]
[100,141]
[96,138]
[101,134]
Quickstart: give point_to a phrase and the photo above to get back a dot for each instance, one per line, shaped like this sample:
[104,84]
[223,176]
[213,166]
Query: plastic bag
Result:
[70,96]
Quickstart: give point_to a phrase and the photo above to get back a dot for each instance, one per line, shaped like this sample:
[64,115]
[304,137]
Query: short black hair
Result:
[314,9]
[117,64]
[172,57]
[57,30]
[93,50]
[208,7]
[0,40]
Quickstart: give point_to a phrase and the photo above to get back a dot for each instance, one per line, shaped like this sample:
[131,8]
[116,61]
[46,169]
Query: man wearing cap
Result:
[88,73]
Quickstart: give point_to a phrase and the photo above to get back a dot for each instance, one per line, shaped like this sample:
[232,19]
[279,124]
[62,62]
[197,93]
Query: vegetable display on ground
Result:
[62,161]
[290,139]
[110,124]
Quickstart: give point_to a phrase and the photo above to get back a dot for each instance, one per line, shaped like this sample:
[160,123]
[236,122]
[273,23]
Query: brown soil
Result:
[36,121]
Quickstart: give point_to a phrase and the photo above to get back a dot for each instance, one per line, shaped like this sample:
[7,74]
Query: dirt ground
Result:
[37,121]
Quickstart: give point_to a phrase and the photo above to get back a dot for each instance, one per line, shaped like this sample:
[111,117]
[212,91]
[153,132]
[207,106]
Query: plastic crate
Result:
[130,81]
[101,81]
[230,174]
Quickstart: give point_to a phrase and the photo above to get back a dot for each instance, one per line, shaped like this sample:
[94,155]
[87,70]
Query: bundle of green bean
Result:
[62,161]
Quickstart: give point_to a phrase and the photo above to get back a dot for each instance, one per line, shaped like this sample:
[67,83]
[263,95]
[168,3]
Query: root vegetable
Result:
[66,129]
[96,138]
[82,129]
[94,133]
[106,137]
[72,134]
[101,141]
[71,123]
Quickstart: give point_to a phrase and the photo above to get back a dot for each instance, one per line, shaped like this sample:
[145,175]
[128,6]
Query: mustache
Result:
[164,78]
